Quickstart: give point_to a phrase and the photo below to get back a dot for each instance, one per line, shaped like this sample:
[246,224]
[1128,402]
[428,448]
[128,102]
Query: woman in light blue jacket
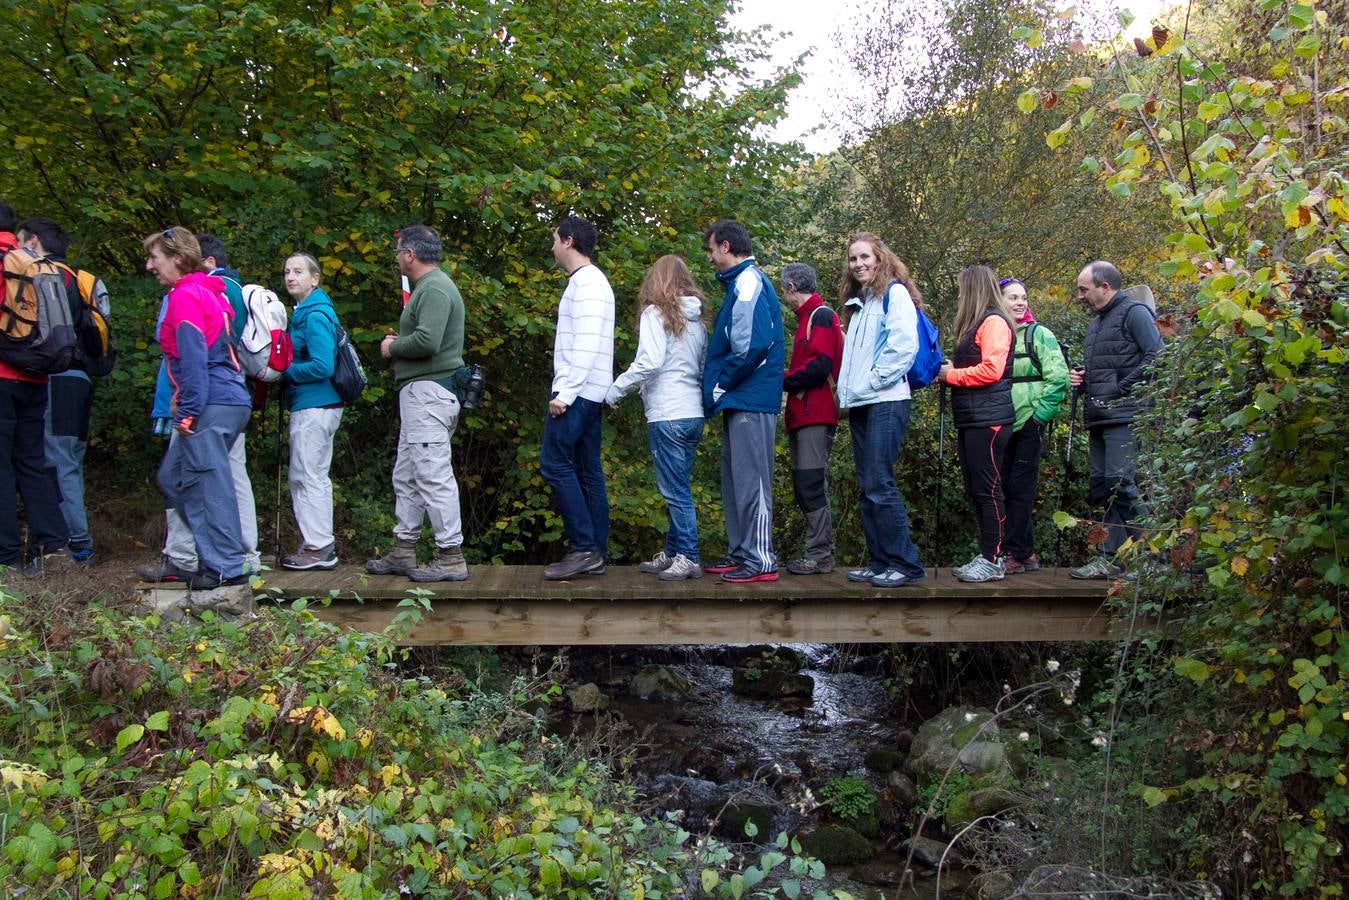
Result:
[880,304]
[671,343]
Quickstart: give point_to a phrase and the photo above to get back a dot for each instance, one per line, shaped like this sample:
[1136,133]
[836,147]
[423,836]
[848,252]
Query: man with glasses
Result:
[426,351]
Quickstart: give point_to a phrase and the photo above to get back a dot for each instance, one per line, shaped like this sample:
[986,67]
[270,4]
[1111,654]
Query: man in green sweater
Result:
[426,352]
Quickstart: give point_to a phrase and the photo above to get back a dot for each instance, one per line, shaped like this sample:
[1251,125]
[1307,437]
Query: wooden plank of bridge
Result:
[514,605]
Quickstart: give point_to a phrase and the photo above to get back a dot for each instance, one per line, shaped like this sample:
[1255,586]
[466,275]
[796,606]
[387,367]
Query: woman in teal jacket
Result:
[1039,384]
[315,413]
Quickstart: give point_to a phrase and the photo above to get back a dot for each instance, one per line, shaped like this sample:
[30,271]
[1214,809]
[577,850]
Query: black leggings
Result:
[981,452]
[1021,471]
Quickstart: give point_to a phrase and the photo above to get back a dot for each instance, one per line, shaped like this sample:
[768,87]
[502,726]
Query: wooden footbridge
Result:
[514,605]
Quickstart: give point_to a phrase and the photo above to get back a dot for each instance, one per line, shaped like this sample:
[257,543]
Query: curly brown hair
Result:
[889,267]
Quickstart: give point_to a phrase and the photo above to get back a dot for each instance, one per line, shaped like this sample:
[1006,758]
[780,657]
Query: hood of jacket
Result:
[692,307]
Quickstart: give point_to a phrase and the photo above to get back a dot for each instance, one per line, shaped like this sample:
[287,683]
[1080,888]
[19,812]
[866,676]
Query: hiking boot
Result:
[681,567]
[1097,568]
[746,575]
[1016,566]
[83,558]
[721,566]
[981,569]
[656,564]
[577,562]
[311,558]
[164,570]
[42,564]
[447,565]
[893,578]
[863,575]
[206,580]
[808,566]
[400,560]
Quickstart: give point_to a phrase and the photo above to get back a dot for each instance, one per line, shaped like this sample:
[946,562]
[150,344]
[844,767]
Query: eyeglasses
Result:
[400,251]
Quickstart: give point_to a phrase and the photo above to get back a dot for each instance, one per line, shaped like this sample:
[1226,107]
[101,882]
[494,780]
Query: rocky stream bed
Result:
[749,742]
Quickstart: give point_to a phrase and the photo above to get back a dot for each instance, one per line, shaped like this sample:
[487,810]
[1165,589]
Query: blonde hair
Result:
[178,244]
[889,267]
[667,282]
[978,294]
[310,263]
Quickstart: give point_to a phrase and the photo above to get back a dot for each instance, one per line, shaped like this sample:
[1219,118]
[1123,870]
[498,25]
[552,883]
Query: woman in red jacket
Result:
[980,376]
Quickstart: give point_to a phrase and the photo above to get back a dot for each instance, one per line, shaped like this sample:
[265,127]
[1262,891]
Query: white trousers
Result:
[423,475]
[179,545]
[311,490]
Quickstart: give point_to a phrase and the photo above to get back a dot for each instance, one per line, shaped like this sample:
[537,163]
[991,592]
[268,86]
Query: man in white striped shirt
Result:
[583,370]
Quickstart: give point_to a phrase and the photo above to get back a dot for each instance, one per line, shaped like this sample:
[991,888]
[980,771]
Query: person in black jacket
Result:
[1122,341]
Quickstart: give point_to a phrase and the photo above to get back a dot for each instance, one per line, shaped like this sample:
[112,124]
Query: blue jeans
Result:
[673,444]
[196,480]
[570,462]
[67,422]
[877,434]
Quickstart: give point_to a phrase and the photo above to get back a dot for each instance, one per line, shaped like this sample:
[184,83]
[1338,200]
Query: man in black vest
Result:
[1122,340]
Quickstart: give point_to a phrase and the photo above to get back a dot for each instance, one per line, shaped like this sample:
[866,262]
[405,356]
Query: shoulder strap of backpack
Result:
[810,323]
[1030,348]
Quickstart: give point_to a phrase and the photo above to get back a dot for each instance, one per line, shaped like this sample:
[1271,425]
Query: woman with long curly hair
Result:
[881,305]
[980,376]
[671,341]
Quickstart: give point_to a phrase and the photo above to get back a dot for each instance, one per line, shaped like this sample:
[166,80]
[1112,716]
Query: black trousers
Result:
[981,452]
[23,470]
[1021,485]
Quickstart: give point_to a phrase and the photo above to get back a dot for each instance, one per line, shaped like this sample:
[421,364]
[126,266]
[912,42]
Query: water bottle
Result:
[473,389]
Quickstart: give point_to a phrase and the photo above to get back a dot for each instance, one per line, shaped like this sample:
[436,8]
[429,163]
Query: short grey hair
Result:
[799,277]
[1105,273]
[423,241]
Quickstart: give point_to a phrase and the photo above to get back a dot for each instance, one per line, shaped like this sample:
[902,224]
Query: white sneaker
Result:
[681,567]
[658,563]
[981,569]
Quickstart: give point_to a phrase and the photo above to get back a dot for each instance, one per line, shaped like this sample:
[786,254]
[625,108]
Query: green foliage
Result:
[285,125]
[935,796]
[147,761]
[849,797]
[1240,129]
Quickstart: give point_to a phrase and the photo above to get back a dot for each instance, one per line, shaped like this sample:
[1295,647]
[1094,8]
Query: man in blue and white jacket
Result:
[742,379]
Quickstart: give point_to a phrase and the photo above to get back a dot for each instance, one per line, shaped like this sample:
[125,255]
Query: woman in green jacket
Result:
[1039,384]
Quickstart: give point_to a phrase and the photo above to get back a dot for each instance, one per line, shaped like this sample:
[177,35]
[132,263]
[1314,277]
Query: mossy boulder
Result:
[967,806]
[659,683]
[587,698]
[771,684]
[883,762]
[941,738]
[837,845]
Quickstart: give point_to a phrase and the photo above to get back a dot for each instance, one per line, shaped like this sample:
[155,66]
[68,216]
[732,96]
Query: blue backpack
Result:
[929,359]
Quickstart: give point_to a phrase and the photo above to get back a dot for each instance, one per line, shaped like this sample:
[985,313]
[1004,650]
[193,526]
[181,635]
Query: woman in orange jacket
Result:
[980,376]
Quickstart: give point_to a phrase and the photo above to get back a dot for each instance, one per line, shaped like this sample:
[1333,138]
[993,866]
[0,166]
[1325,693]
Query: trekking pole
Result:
[280,407]
[941,474]
[1068,475]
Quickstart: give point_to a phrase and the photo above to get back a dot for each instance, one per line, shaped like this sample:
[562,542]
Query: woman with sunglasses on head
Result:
[210,405]
[980,376]
[1039,384]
